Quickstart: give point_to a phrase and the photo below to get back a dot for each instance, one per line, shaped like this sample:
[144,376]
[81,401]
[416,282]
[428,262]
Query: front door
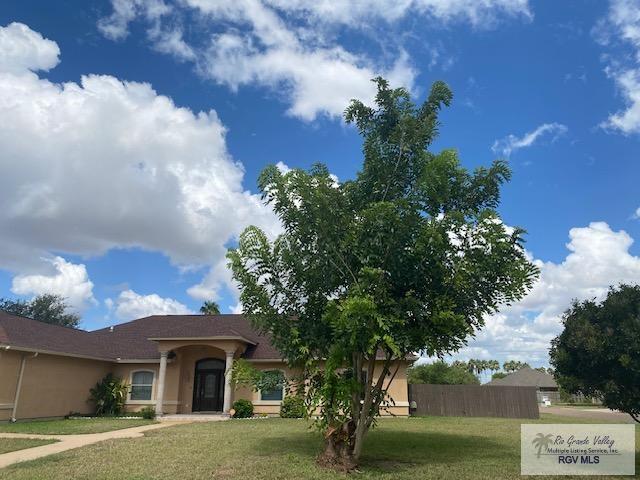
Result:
[208,386]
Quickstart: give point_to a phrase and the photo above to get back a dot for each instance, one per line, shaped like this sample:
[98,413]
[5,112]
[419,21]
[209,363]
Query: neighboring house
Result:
[176,363]
[529,377]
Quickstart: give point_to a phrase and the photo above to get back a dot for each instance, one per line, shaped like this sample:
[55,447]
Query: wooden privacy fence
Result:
[473,401]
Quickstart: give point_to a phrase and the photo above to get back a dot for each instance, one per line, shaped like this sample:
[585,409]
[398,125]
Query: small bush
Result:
[293,407]
[243,408]
[109,395]
[148,413]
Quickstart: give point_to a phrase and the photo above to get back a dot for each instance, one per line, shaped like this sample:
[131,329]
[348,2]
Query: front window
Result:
[275,394]
[141,385]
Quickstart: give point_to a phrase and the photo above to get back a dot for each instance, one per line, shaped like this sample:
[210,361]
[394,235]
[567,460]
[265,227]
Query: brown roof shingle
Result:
[23,332]
[130,340]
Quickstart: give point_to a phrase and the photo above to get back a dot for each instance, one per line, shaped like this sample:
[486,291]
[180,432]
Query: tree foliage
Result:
[245,374]
[47,308]
[441,373]
[598,352]
[410,256]
[210,307]
[511,366]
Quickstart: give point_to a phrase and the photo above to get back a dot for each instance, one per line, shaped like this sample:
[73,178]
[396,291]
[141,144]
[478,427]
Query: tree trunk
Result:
[338,449]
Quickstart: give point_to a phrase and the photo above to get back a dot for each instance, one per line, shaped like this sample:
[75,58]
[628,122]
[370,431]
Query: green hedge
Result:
[293,407]
[243,409]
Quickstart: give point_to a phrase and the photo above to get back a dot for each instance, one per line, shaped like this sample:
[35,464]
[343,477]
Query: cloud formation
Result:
[506,146]
[598,258]
[290,47]
[130,305]
[106,163]
[622,26]
[23,49]
[66,279]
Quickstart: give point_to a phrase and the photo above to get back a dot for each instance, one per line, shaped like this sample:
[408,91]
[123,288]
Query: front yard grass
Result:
[414,448]
[71,426]
[12,444]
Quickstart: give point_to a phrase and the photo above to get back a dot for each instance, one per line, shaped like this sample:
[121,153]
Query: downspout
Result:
[23,362]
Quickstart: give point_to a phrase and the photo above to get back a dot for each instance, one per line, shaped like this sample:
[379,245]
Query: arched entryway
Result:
[208,385]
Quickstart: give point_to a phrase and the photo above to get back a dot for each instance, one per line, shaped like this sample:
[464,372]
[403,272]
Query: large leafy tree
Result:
[409,256]
[47,308]
[441,373]
[598,352]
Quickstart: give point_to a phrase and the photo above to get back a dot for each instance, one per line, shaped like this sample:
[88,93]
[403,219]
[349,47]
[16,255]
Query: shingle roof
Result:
[526,377]
[130,340]
[23,332]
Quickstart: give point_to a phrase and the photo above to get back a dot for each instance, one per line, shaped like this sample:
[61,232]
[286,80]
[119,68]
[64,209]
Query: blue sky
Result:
[132,134]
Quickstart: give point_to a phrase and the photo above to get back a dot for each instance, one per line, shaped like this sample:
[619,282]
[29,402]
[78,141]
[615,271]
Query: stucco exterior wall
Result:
[178,388]
[55,385]
[398,390]
[170,402]
[52,385]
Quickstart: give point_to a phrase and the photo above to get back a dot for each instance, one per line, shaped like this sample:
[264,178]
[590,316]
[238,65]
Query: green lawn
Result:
[69,427]
[415,448]
[12,444]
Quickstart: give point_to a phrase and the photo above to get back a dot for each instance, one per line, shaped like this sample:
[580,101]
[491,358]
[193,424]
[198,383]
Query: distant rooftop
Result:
[526,377]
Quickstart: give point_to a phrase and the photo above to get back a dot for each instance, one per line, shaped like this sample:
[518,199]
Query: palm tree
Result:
[210,308]
[542,441]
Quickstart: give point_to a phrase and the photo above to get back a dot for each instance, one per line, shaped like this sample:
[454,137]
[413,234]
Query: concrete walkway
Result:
[69,442]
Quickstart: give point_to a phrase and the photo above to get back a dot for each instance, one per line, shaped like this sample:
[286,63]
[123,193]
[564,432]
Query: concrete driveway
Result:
[595,414]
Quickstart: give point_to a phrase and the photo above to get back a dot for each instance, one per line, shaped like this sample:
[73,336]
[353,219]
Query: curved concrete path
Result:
[69,442]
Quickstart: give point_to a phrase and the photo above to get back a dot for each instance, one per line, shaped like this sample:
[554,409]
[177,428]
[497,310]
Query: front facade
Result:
[178,364]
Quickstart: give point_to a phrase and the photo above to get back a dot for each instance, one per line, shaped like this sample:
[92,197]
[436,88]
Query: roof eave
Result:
[9,347]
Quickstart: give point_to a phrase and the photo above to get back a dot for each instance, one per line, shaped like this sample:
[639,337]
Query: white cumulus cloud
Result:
[69,280]
[506,146]
[23,49]
[130,305]
[105,163]
[598,258]
[291,47]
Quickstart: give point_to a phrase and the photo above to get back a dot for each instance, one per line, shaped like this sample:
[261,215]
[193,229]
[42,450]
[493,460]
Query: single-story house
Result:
[546,385]
[176,363]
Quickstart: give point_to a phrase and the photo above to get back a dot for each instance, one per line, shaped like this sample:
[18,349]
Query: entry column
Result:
[227,381]
[161,375]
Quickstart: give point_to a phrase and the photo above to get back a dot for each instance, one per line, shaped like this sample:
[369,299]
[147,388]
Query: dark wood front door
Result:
[208,385]
[208,389]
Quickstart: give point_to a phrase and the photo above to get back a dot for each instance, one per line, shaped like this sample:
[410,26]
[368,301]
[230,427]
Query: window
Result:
[141,385]
[277,393]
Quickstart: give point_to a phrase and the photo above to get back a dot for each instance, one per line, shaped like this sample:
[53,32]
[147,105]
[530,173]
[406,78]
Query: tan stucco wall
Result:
[178,391]
[55,385]
[398,390]
[52,385]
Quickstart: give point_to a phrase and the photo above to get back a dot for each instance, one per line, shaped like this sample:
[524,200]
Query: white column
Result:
[227,381]
[160,389]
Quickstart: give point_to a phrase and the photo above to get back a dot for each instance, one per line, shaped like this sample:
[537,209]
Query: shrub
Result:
[148,413]
[243,408]
[109,395]
[293,407]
